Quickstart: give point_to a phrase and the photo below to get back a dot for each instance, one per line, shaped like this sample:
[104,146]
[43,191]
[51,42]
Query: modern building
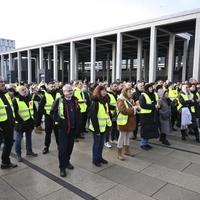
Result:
[6,45]
[162,48]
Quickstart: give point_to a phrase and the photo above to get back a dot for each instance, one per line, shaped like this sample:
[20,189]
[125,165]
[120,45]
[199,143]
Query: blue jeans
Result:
[144,142]
[19,136]
[98,146]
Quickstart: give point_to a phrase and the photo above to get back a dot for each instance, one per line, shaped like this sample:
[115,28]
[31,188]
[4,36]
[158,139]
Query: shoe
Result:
[174,129]
[108,145]
[119,154]
[166,142]
[113,141]
[96,163]
[103,161]
[19,158]
[197,140]
[70,166]
[63,173]
[144,147]
[149,146]
[133,138]
[183,138]
[32,154]
[76,140]
[8,166]
[45,150]
[127,151]
[81,137]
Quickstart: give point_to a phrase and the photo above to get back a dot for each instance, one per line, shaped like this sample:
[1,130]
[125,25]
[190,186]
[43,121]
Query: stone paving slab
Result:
[62,194]
[8,193]
[31,184]
[175,177]
[172,192]
[136,181]
[121,192]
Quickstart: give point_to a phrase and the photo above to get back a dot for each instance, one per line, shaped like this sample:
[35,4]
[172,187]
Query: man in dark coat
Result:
[65,111]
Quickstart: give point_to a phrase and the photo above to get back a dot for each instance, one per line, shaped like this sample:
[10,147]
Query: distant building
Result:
[6,45]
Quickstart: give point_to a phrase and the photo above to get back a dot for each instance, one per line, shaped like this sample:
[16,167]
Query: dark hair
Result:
[97,91]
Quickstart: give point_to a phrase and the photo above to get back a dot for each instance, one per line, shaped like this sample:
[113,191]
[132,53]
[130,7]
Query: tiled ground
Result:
[161,173]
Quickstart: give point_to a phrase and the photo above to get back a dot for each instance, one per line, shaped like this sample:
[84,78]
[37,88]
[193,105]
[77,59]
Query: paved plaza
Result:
[161,173]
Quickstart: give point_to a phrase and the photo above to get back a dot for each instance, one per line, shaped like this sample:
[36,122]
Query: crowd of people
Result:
[113,113]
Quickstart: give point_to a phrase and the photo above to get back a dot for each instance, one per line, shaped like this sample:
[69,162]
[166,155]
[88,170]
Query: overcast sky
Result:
[32,22]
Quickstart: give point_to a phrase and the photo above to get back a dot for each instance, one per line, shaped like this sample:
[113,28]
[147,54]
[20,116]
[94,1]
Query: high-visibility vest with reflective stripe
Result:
[112,102]
[103,118]
[61,109]
[148,101]
[185,98]
[122,119]
[24,111]
[49,101]
[81,98]
[156,96]
[3,112]
[173,94]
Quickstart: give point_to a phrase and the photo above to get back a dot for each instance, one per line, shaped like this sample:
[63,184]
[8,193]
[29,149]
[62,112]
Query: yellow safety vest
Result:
[122,119]
[148,101]
[103,118]
[3,113]
[82,105]
[24,111]
[185,98]
[61,109]
[112,102]
[49,101]
[173,94]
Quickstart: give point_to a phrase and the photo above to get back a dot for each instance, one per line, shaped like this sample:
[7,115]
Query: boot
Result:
[127,151]
[183,133]
[120,156]
[162,137]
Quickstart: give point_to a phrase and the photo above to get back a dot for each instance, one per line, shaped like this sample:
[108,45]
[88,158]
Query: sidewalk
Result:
[161,173]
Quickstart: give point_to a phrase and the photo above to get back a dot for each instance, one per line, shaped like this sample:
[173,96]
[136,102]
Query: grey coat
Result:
[164,115]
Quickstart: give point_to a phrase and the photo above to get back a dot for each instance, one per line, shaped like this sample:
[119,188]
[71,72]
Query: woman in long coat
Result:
[164,115]
[148,116]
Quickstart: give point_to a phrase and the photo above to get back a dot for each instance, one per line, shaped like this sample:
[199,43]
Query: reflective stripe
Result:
[148,101]
[103,118]
[122,119]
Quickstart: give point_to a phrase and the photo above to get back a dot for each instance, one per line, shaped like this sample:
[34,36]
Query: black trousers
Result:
[137,124]
[49,127]
[66,144]
[8,139]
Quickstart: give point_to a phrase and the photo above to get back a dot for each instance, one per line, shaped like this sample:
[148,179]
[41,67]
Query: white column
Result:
[108,68]
[139,60]
[37,68]
[153,54]
[29,66]
[113,61]
[10,62]
[76,64]
[55,62]
[93,60]
[185,53]
[119,57]
[41,57]
[49,61]
[196,51]
[171,57]
[61,61]
[19,66]
[72,60]
[2,66]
